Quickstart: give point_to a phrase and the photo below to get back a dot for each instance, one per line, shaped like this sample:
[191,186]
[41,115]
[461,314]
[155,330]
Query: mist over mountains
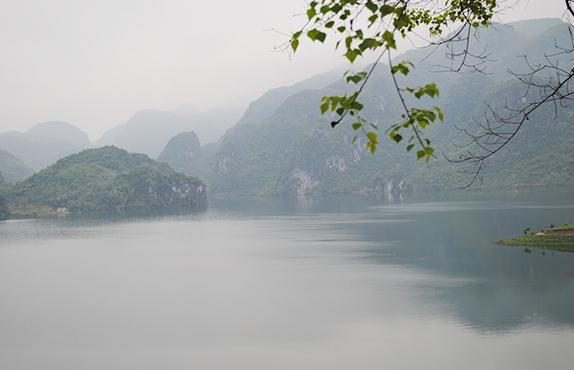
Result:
[291,149]
[147,132]
[44,143]
[282,144]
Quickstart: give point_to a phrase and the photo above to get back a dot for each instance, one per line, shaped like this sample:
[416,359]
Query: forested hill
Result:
[290,147]
[107,180]
[12,168]
[181,150]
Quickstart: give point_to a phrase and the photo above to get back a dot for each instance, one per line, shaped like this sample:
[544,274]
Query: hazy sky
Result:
[95,63]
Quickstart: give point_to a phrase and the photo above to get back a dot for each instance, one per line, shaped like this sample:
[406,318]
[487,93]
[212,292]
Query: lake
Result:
[331,283]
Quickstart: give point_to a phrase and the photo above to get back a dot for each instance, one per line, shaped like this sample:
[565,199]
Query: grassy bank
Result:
[560,238]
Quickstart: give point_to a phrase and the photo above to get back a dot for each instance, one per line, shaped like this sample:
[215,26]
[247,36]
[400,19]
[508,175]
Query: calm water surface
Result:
[338,283]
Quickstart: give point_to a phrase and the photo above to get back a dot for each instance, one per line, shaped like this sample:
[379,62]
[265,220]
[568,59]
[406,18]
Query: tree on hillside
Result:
[373,29]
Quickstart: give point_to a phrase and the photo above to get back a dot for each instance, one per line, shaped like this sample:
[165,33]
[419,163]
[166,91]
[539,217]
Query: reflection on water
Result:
[333,283]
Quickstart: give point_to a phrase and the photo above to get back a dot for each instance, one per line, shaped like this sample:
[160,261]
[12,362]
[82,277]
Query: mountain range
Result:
[44,143]
[283,145]
[147,132]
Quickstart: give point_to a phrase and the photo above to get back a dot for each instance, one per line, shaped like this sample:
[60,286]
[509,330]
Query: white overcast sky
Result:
[95,63]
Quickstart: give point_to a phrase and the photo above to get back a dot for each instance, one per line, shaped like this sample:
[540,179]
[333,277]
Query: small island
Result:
[558,238]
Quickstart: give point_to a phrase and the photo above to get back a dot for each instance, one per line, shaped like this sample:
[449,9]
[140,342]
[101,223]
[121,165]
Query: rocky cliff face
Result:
[4,213]
[391,186]
[331,168]
[152,190]
[304,182]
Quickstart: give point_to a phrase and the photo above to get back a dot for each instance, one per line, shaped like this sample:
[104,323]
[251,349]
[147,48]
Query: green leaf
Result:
[351,55]
[395,136]
[389,39]
[355,78]
[373,138]
[311,13]
[357,125]
[371,6]
[439,112]
[324,106]
[368,44]
[316,35]
[387,9]
[403,67]
[427,152]
[294,44]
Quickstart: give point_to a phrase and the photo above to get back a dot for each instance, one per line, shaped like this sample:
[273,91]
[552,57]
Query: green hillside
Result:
[108,180]
[4,213]
[180,151]
[294,150]
[12,168]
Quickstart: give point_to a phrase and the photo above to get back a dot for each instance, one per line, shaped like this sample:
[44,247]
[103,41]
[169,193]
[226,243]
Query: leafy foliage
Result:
[362,26]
